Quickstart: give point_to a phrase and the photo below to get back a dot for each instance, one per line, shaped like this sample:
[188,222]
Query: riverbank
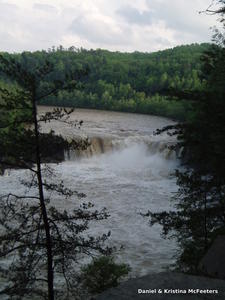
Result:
[155,105]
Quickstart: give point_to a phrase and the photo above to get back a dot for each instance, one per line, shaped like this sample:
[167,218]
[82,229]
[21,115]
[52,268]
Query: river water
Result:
[128,171]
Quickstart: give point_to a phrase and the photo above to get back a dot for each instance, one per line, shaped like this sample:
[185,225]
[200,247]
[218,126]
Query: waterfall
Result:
[102,145]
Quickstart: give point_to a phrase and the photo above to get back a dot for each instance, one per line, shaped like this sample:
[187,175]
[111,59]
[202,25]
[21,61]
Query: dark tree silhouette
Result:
[199,214]
[36,237]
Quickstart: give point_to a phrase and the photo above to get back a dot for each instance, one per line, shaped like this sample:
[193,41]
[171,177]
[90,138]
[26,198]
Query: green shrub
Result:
[103,273]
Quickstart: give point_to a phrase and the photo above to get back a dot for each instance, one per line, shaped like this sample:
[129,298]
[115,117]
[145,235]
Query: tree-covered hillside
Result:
[133,82]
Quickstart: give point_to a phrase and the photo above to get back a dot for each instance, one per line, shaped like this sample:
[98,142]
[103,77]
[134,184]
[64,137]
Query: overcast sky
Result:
[123,25]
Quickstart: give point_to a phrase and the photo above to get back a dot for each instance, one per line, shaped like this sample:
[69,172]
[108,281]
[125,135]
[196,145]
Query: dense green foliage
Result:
[103,273]
[199,214]
[131,82]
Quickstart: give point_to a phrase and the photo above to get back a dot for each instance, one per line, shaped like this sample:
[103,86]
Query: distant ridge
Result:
[132,82]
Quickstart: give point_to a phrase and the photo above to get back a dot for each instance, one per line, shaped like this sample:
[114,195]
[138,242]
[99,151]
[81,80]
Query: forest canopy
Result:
[132,82]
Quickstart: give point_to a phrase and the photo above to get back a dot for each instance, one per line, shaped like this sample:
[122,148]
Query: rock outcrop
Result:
[168,285]
[213,263]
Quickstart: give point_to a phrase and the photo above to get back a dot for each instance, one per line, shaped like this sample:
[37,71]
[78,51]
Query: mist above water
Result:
[128,172]
[127,182]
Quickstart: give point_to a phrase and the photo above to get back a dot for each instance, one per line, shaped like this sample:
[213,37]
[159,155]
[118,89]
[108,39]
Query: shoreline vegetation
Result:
[128,82]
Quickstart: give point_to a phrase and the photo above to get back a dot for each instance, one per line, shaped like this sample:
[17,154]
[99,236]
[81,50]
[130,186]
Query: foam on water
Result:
[131,178]
[127,182]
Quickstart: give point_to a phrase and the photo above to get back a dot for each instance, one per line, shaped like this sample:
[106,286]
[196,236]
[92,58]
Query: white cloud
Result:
[183,16]
[101,29]
[45,7]
[143,25]
[134,16]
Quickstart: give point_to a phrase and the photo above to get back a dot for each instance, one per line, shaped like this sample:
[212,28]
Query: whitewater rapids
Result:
[128,171]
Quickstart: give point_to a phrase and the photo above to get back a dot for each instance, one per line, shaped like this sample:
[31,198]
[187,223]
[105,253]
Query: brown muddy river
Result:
[128,171]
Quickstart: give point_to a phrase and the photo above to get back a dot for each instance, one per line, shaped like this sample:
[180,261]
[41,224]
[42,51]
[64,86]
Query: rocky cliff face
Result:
[213,263]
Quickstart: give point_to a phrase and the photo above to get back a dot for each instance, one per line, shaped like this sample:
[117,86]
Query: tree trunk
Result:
[205,222]
[42,200]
